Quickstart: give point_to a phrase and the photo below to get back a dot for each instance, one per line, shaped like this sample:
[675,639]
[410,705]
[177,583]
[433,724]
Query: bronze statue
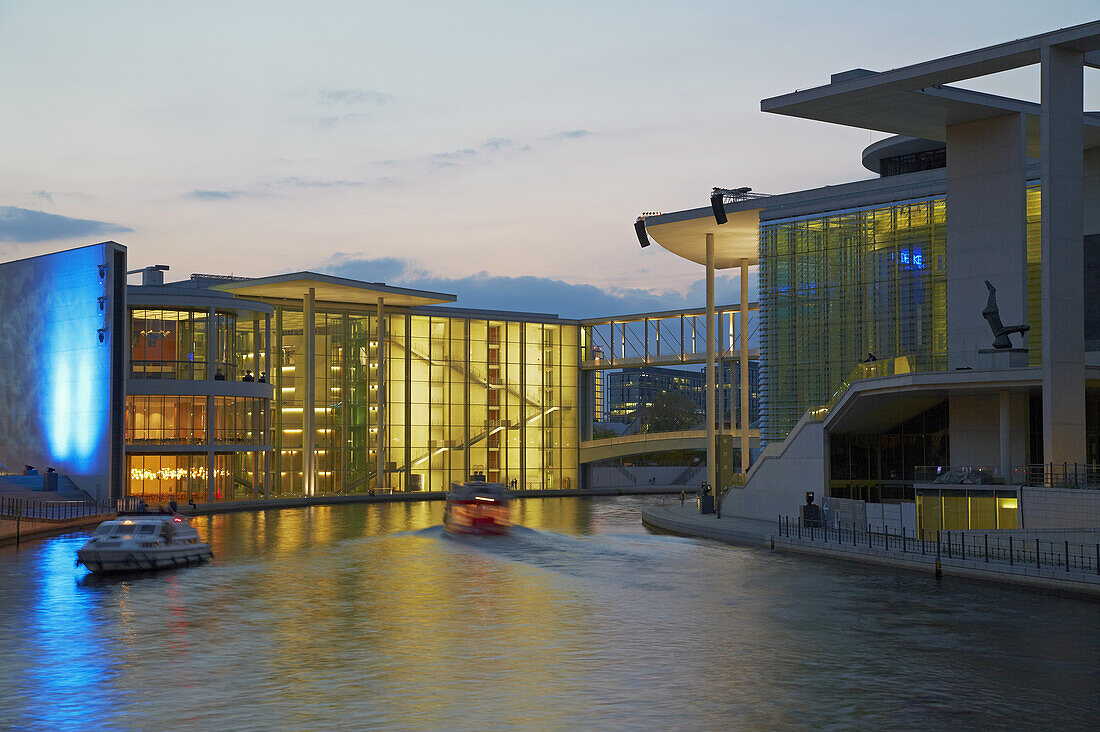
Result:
[993,315]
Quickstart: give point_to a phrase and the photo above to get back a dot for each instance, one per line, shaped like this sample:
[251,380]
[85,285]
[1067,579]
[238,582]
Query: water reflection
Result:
[370,616]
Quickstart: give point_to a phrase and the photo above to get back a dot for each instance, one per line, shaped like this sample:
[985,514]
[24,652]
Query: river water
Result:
[369,616]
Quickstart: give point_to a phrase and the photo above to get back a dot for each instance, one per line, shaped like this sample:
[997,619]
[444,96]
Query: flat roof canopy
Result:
[914,101]
[327,288]
[684,233]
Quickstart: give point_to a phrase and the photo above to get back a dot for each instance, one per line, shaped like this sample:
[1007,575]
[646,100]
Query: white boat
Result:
[143,541]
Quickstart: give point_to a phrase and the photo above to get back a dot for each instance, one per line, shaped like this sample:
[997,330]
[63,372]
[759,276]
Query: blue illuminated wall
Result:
[58,379]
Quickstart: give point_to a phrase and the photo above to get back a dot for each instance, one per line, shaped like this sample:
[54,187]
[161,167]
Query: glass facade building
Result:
[442,394]
[636,388]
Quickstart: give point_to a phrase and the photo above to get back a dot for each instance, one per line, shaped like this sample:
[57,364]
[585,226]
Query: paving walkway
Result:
[687,520]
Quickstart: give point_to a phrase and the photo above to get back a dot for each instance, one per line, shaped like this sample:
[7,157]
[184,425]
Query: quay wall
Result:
[1048,578]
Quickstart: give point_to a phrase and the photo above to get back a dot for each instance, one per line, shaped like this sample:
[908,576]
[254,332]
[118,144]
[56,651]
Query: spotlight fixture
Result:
[718,206]
[718,198]
[639,229]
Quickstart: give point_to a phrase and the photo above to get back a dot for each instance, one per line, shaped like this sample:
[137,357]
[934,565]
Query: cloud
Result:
[570,135]
[527,293]
[353,96]
[44,195]
[307,183]
[208,195]
[25,226]
[455,154]
[496,144]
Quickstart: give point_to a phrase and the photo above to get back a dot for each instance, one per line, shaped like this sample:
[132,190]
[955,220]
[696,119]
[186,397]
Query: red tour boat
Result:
[476,507]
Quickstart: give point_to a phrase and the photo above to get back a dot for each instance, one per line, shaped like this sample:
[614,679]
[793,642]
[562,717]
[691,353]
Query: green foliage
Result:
[672,411]
[602,433]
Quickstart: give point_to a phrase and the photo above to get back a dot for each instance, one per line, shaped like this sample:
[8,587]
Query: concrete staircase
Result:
[30,487]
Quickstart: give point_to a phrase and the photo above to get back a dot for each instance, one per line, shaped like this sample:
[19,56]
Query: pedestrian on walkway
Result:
[682,497]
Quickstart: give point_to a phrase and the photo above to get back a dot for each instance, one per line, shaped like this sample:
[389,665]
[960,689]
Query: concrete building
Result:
[879,371]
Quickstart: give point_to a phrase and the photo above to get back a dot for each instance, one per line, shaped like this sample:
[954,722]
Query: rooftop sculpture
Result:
[992,314]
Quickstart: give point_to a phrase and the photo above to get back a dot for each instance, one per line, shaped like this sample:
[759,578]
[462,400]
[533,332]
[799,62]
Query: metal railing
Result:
[870,370]
[963,474]
[1059,475]
[996,548]
[1047,475]
[11,508]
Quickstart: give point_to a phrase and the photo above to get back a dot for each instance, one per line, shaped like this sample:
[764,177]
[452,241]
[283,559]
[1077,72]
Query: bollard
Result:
[939,568]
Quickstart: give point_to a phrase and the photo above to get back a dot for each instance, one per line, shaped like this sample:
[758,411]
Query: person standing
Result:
[682,497]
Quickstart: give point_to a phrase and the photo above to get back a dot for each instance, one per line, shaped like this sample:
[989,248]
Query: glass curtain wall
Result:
[345,401]
[836,287]
[839,286]
[168,344]
[460,395]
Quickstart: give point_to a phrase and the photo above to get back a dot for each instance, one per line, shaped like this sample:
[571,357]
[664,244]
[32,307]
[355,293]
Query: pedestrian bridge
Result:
[640,444]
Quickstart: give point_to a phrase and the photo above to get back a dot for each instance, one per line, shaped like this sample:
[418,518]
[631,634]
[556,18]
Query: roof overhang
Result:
[914,100]
[684,233]
[327,288]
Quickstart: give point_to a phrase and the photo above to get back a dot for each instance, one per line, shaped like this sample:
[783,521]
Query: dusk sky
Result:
[496,150]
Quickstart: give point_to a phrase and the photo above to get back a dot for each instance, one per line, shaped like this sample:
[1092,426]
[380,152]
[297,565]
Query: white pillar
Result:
[1005,428]
[1062,233]
[744,348]
[711,461]
[308,433]
[986,232]
[379,444]
[268,437]
[211,355]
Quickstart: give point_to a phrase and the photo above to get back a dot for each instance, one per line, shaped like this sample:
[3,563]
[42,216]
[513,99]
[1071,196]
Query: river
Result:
[369,616]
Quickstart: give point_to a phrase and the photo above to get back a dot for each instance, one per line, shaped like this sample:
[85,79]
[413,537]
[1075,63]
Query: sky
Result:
[499,151]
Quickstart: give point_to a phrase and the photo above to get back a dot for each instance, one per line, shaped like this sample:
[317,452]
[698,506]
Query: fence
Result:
[61,510]
[1049,475]
[1011,550]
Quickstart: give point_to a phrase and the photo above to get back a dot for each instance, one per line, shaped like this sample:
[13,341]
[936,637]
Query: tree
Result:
[671,411]
[601,433]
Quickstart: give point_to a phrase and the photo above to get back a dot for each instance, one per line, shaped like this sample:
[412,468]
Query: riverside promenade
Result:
[688,521]
[1041,570]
